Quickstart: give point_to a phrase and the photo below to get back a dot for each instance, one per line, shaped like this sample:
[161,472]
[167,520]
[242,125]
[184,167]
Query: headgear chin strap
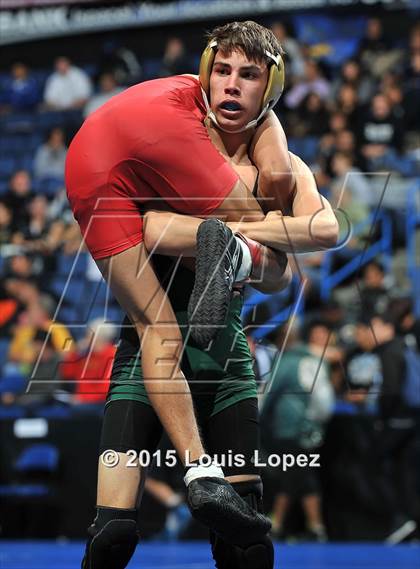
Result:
[273,91]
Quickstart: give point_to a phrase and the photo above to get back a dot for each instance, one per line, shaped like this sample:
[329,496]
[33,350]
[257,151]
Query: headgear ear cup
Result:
[275,83]
[206,64]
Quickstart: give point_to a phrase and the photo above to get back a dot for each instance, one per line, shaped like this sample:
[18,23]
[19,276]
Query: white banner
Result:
[37,23]
[30,3]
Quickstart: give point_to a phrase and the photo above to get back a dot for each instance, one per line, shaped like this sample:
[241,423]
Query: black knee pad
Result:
[228,556]
[112,539]
[259,555]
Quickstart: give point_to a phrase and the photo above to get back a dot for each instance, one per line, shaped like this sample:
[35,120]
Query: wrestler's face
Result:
[237,86]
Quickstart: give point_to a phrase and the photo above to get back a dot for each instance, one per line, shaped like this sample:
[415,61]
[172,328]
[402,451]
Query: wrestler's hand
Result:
[274,215]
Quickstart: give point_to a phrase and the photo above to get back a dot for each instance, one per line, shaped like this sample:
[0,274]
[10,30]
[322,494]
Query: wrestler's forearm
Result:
[172,234]
[302,234]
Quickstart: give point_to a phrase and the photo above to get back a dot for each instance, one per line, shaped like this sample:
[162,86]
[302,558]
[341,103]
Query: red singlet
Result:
[148,144]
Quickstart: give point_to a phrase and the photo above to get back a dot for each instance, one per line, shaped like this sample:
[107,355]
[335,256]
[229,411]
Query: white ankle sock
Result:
[245,269]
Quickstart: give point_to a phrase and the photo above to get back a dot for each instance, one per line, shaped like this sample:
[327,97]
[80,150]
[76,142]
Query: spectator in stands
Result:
[369,296]
[107,88]
[121,62]
[175,59]
[374,294]
[322,342]
[337,122]
[23,267]
[293,421]
[351,184]
[375,52]
[44,379]
[37,317]
[352,479]
[342,141]
[314,116]
[21,91]
[50,157]
[18,197]
[29,268]
[68,88]
[312,82]
[350,190]
[395,96]
[263,355]
[412,91]
[89,363]
[59,210]
[9,311]
[32,325]
[381,130]
[390,349]
[335,317]
[40,234]
[295,63]
[23,296]
[396,436]
[351,74]
[348,104]
[414,39]
[407,324]
[322,168]
[345,141]
[310,266]
[5,223]
[363,368]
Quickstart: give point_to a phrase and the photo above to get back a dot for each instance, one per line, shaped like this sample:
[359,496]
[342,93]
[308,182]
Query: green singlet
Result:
[218,377]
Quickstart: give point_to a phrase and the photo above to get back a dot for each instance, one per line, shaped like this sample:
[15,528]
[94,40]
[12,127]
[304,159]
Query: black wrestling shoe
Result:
[401,530]
[214,502]
[219,257]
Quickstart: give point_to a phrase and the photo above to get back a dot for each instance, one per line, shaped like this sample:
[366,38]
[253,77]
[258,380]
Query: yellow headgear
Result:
[273,91]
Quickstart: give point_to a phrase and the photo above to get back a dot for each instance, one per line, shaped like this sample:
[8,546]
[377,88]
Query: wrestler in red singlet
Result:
[146,144]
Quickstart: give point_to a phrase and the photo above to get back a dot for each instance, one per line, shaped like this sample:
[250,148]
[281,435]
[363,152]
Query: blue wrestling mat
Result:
[50,555]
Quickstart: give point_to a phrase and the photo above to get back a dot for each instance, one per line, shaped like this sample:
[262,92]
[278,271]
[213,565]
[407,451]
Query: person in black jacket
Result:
[396,432]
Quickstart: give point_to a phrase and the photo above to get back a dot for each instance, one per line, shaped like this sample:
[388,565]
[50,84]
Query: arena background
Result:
[364,150]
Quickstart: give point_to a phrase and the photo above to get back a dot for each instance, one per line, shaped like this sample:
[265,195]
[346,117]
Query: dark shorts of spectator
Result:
[295,481]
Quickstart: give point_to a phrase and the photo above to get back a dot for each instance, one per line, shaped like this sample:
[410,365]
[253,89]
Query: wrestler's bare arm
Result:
[313,226]
[269,152]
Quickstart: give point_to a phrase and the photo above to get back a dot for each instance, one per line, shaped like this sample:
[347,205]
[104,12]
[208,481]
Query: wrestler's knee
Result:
[152,229]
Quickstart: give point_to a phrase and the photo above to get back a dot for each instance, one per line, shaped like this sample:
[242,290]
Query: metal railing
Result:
[413,256]
[330,278]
